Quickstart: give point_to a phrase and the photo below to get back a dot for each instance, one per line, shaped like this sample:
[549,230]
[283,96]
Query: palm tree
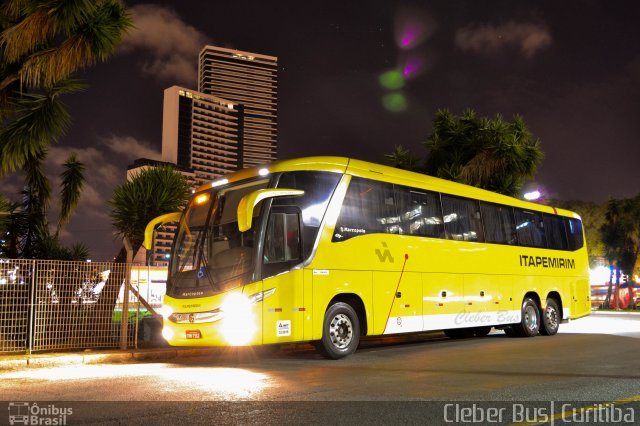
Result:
[41,45]
[150,193]
[621,237]
[402,158]
[488,153]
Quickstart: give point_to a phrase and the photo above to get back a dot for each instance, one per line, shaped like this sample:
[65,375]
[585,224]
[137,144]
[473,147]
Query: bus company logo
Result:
[26,413]
[547,262]
[385,255]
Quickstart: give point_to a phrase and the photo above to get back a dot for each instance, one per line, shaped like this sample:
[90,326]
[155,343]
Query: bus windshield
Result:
[210,254]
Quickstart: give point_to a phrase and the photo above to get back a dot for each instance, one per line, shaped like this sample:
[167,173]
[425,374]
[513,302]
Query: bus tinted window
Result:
[318,188]
[368,208]
[498,222]
[529,228]
[574,231]
[461,219]
[420,212]
[554,229]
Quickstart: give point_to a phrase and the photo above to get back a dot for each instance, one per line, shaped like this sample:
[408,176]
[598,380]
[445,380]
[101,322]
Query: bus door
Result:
[283,285]
[443,301]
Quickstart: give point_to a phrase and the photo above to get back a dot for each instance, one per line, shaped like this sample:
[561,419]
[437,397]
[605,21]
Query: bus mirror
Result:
[165,218]
[249,201]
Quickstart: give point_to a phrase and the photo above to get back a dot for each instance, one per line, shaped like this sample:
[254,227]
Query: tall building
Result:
[163,237]
[249,79]
[230,123]
[202,132]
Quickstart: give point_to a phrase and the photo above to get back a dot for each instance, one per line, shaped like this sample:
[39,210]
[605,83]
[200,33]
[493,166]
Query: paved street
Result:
[572,366]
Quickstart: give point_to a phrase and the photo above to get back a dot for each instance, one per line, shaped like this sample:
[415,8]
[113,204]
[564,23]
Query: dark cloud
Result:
[167,43]
[528,38]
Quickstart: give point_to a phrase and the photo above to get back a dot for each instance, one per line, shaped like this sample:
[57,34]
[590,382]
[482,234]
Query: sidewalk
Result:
[13,362]
[621,312]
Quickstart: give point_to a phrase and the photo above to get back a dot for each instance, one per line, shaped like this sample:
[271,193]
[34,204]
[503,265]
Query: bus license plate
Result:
[193,334]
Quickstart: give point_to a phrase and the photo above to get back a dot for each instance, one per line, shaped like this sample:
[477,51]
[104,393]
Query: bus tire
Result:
[529,325]
[481,331]
[550,318]
[340,331]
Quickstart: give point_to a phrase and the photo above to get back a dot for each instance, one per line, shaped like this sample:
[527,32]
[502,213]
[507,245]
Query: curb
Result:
[15,362]
[631,313]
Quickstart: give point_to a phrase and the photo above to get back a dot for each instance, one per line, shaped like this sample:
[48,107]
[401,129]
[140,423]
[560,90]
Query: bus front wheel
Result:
[550,318]
[340,331]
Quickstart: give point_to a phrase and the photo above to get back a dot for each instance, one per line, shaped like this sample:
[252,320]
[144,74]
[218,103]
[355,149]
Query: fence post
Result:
[31,334]
[124,322]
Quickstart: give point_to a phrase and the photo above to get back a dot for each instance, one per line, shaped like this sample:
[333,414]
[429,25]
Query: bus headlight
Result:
[165,311]
[167,334]
[238,325]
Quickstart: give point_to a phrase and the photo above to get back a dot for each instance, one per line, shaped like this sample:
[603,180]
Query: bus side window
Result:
[498,222]
[556,234]
[420,212]
[574,231]
[462,218]
[529,228]
[368,208]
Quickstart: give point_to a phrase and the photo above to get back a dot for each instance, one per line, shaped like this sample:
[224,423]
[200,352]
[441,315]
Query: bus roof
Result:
[381,172]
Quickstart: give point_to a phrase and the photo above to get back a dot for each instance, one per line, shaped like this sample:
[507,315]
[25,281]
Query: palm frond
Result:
[37,120]
[150,193]
[72,181]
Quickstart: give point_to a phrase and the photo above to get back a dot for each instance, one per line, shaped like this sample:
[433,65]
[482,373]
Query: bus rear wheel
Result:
[340,331]
[530,323]
[550,318]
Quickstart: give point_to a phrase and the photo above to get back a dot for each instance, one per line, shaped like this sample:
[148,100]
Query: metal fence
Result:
[56,305]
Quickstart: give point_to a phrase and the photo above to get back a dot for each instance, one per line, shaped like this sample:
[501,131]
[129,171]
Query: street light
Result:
[532,196]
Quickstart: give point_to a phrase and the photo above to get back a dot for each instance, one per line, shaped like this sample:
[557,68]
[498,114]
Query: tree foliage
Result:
[621,232]
[42,43]
[593,218]
[150,193]
[493,154]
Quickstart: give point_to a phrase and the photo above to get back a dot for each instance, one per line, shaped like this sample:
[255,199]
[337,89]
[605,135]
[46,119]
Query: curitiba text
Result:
[547,262]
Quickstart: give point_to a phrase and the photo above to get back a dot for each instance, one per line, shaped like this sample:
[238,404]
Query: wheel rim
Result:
[530,318]
[341,331]
[551,317]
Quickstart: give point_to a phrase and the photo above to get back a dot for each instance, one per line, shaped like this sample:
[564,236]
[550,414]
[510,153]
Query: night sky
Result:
[570,68]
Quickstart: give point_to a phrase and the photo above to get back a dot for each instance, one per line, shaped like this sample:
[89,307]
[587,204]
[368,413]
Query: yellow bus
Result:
[329,249]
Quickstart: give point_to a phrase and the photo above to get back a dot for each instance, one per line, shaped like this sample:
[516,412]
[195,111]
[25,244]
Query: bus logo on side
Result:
[384,255]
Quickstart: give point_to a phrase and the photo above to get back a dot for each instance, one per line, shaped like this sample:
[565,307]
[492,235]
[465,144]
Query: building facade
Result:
[249,79]
[202,132]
